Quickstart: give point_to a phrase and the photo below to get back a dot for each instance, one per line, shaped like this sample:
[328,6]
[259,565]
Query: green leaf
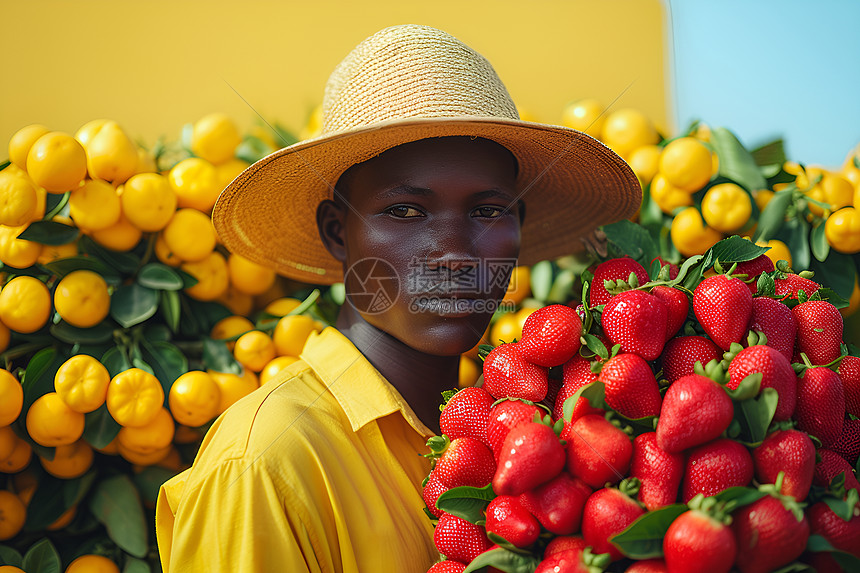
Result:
[149,480]
[594,392]
[541,279]
[133,565]
[736,163]
[75,489]
[171,308]
[8,556]
[795,234]
[795,567]
[733,249]
[773,216]
[116,361]
[102,332]
[503,560]
[633,240]
[643,539]
[99,427]
[217,357]
[160,277]
[562,287]
[772,153]
[116,504]
[167,362]
[596,345]
[837,272]
[466,502]
[132,304]
[818,242]
[55,204]
[817,544]
[755,415]
[47,504]
[748,388]
[740,495]
[125,263]
[42,557]
[38,378]
[64,266]
[49,233]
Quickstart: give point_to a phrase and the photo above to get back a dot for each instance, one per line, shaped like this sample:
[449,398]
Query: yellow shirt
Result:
[319,471]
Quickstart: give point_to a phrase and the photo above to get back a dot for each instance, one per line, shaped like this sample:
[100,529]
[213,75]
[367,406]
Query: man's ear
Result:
[330,224]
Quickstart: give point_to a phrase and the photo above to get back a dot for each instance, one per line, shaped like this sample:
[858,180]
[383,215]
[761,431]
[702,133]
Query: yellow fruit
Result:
[762,197]
[95,205]
[194,398]
[189,235]
[82,383]
[51,253]
[626,129]
[667,196]
[11,569]
[92,564]
[291,333]
[19,459]
[164,254]
[703,132]
[584,115]
[112,449]
[82,299]
[644,161]
[274,367]
[148,459]
[509,327]
[229,170]
[196,183]
[5,336]
[468,372]
[690,235]
[88,130]
[70,461]
[249,277]
[63,521]
[11,398]
[50,422]
[211,275]
[57,162]
[233,387]
[254,350]
[148,201]
[147,439]
[134,397]
[231,326]
[237,301]
[686,163]
[13,514]
[215,138]
[842,230]
[726,207]
[519,286]
[111,154]
[187,435]
[21,142]
[8,441]
[25,304]
[121,236]
[282,306]
[17,200]
[834,190]
[778,250]
[145,162]
[15,252]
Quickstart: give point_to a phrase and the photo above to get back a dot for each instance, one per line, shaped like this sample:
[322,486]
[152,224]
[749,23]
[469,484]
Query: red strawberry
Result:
[673,268]
[504,416]
[563,562]
[608,512]
[631,389]
[558,504]
[819,330]
[830,466]
[820,404]
[843,535]
[466,413]
[775,320]
[752,269]
[507,517]
[431,492]
[564,543]
[776,373]
[582,407]
[647,566]
[768,534]
[792,284]
[508,374]
[695,410]
[714,467]
[849,372]
[632,318]
[447,566]
[458,539]
[789,451]
[699,543]
[659,473]
[597,451]
[614,269]
[677,307]
[681,354]
[848,443]
[576,374]
[723,306]
[551,335]
[531,455]
[465,461]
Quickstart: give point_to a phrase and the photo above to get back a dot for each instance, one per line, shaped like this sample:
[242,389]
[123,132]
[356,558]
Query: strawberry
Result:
[697,542]
[608,512]
[775,320]
[849,372]
[769,534]
[458,539]
[819,330]
[776,373]
[447,566]
[431,492]
[632,318]
[582,407]
[507,518]
[843,535]
[597,451]
[531,455]
[723,306]
[791,285]
[659,473]
[563,562]
[789,451]
[647,566]
[695,410]
[508,374]
[576,374]
[714,467]
[631,389]
[830,466]
[848,443]
[565,543]
[614,269]
[820,404]
[465,461]
[505,415]
[681,354]
[752,269]
[465,414]
[558,504]
[677,307]
[551,335]
[673,268]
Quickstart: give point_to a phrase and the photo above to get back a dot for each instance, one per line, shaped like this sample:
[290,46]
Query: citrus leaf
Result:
[772,153]
[38,378]
[837,272]
[818,242]
[99,427]
[643,539]
[132,304]
[42,557]
[116,361]
[8,556]
[75,489]
[116,504]
[125,263]
[773,216]
[133,565]
[49,233]
[632,240]
[149,480]
[541,279]
[55,204]
[171,308]
[733,249]
[755,415]
[64,266]
[503,560]
[466,502]
[159,276]
[47,503]
[736,163]
[217,357]
[102,332]
[167,362]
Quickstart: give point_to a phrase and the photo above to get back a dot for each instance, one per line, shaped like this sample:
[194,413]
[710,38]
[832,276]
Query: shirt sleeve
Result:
[236,518]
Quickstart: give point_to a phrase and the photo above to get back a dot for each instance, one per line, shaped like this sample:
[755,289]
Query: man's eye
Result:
[487,211]
[403,211]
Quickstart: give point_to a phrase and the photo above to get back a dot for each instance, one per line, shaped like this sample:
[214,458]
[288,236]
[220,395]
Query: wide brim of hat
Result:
[570,182]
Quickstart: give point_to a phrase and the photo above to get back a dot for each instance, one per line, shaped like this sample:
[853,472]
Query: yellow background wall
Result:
[154,65]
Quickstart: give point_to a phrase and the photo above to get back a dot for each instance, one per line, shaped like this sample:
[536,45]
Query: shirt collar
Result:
[362,392]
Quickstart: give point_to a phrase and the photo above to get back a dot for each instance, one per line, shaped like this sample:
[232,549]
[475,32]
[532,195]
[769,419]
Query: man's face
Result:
[431,231]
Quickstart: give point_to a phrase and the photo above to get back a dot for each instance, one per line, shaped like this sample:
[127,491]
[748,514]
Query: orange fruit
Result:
[13,514]
[148,459]
[519,287]
[291,333]
[690,235]
[254,350]
[70,461]
[194,398]
[584,115]
[196,184]
[8,441]
[211,274]
[149,438]
[57,162]
[231,326]
[282,306]
[667,196]
[82,298]
[645,161]
[82,382]
[148,201]
[626,129]
[237,301]
[249,277]
[121,236]
[468,372]
[189,235]
[15,252]
[134,397]
[274,367]
[215,138]
[25,304]
[11,398]
[19,459]
[21,142]
[92,564]
[111,154]
[50,421]
[233,387]
[95,205]
[686,163]
[164,254]
[18,200]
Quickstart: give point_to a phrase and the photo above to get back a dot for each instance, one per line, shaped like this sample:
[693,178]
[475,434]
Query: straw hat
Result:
[403,84]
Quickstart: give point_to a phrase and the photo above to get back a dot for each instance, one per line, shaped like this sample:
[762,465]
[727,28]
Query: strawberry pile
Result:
[701,418]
